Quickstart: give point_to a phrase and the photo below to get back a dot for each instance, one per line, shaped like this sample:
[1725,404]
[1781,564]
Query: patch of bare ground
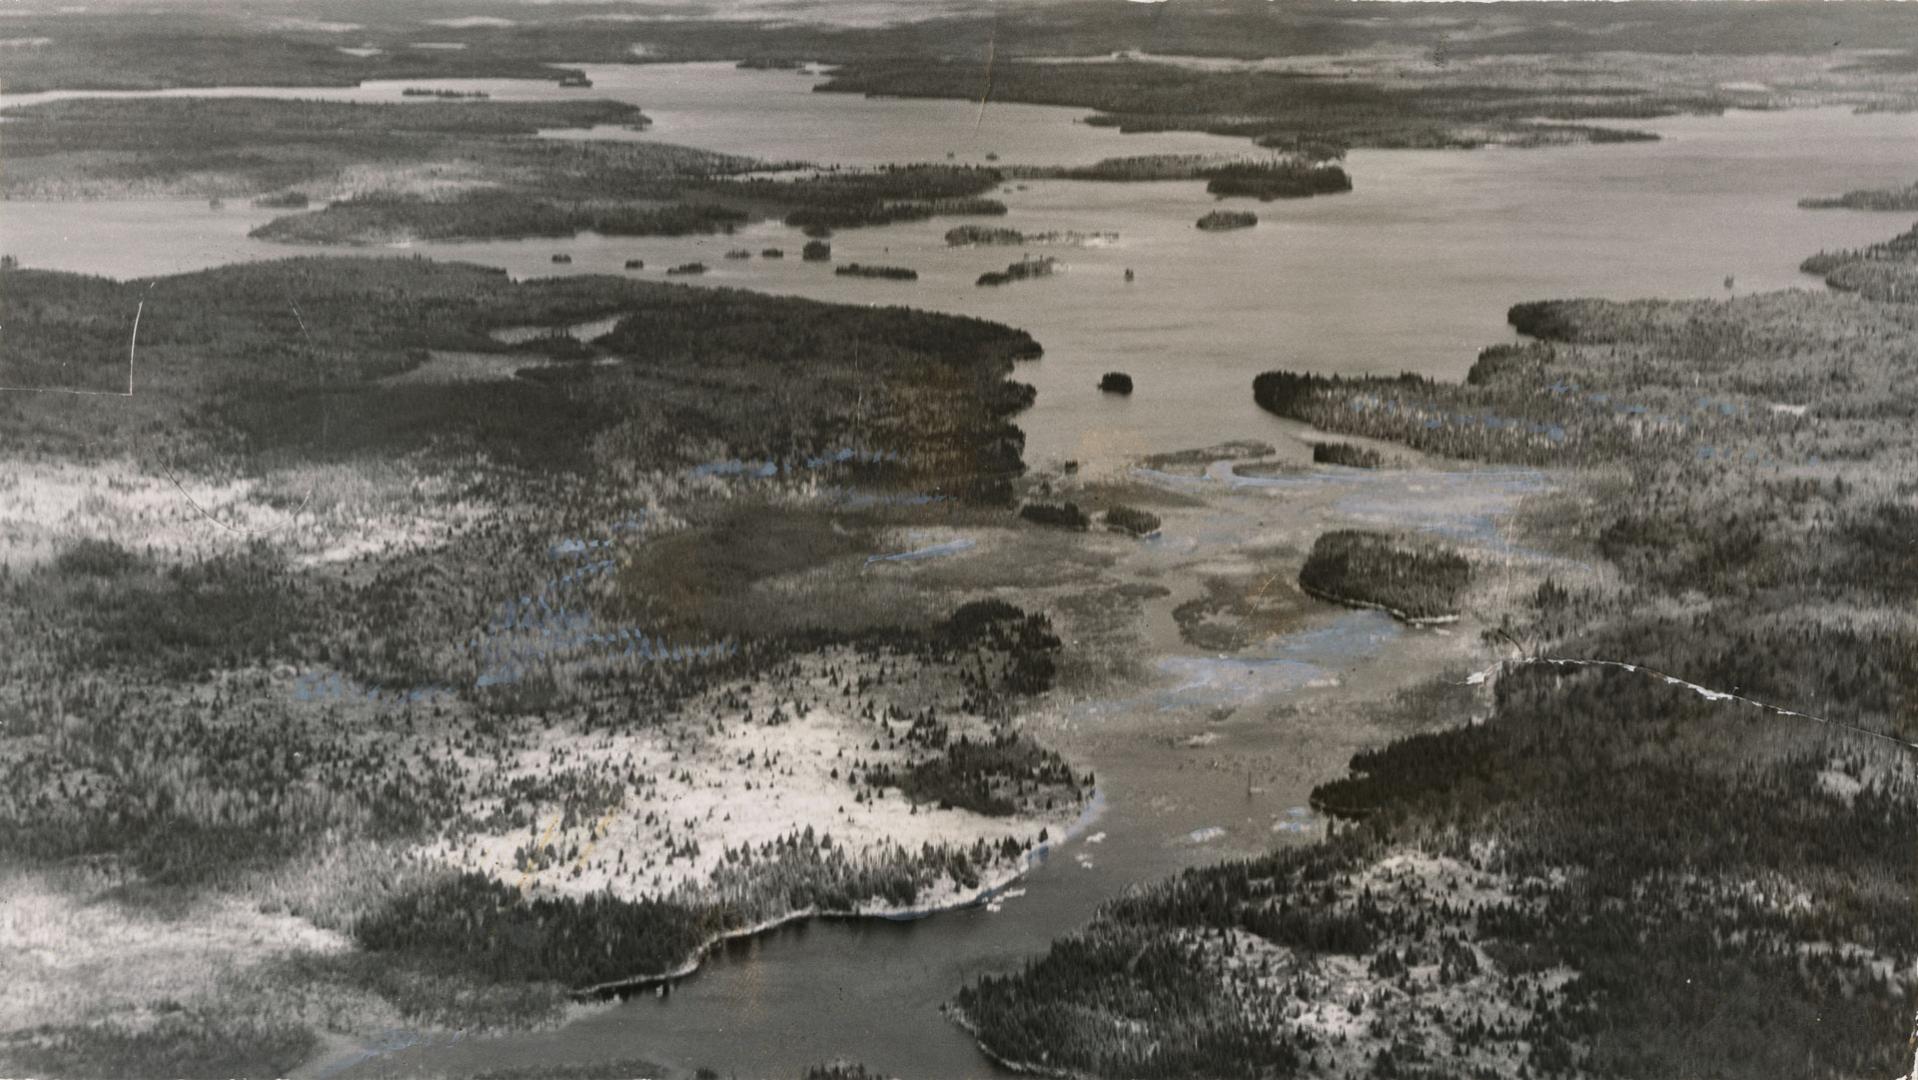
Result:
[819,752]
[317,513]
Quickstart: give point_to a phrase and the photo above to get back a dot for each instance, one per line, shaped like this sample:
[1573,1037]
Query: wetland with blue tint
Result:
[1345,284]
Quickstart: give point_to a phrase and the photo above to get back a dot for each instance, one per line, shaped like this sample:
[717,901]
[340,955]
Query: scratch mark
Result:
[1260,595]
[1478,678]
[979,119]
[133,344]
[600,830]
[190,502]
[545,839]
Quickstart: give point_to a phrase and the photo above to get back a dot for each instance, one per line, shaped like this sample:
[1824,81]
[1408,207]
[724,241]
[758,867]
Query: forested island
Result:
[445,95]
[1131,520]
[984,235]
[383,219]
[1227,220]
[1289,179]
[884,273]
[1023,270]
[1416,580]
[1310,169]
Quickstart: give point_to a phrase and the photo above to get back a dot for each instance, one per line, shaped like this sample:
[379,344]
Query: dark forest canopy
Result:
[252,377]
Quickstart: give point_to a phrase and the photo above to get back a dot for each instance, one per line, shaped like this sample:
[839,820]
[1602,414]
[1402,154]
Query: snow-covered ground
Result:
[728,776]
[318,514]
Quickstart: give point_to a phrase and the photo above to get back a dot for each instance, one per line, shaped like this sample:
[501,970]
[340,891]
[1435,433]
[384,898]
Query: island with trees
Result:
[884,273]
[1025,269]
[1227,220]
[1419,581]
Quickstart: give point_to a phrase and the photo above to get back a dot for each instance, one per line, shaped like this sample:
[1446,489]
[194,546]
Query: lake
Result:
[771,115]
[1345,283]
[1413,270]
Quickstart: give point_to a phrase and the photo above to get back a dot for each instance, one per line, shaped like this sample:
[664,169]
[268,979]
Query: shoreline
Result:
[1367,605]
[331,1047]
[1029,1068]
[1229,504]
[989,889]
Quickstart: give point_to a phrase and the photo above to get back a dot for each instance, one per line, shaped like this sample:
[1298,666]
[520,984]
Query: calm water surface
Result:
[1412,271]
[771,115]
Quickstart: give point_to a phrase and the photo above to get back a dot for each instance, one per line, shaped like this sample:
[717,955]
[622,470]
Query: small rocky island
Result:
[1223,220]
[1115,382]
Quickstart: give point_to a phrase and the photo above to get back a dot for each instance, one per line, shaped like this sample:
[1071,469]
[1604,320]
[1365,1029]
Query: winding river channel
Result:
[1216,756]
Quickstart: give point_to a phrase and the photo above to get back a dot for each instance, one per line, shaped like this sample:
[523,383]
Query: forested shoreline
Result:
[396,646]
[336,736]
[1601,873]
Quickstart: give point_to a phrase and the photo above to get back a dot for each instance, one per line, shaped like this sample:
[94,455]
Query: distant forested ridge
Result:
[489,214]
[447,170]
[239,47]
